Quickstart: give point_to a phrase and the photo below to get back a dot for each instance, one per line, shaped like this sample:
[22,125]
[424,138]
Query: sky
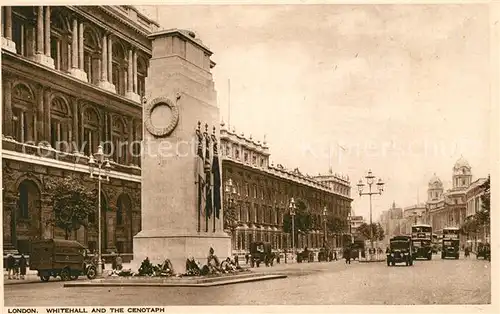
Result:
[403,90]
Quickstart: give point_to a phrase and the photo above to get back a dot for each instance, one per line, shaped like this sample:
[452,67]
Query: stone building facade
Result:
[264,191]
[448,208]
[72,78]
[474,204]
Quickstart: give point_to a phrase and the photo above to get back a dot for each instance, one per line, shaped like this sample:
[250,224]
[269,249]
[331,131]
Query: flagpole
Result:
[229,102]
[199,155]
[208,179]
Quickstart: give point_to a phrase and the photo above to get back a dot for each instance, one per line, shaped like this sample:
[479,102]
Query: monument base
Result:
[158,246]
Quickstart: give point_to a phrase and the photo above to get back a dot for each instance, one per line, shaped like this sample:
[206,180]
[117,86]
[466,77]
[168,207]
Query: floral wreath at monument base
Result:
[161,101]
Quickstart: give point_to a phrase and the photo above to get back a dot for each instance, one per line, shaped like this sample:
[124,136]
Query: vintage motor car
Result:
[450,248]
[60,258]
[484,252]
[400,251]
[261,252]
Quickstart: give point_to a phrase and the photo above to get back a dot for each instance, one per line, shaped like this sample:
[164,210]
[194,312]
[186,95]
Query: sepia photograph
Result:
[213,154]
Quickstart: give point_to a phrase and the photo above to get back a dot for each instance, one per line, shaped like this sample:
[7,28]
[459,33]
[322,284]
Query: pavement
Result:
[462,281]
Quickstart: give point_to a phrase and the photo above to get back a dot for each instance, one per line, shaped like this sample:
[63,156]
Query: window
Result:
[120,246]
[262,162]
[119,212]
[119,139]
[23,113]
[60,40]
[245,157]
[119,65]
[142,72]
[237,154]
[29,199]
[59,125]
[23,30]
[90,131]
[254,160]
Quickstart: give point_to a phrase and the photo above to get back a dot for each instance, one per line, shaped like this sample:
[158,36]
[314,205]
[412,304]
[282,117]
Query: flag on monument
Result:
[208,186]
[217,185]
[200,179]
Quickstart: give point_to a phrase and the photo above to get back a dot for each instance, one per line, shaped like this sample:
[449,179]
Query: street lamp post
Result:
[292,215]
[324,222]
[231,193]
[349,220]
[99,163]
[370,179]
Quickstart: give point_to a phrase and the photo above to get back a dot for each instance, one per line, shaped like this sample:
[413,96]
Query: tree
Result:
[303,220]
[378,231]
[335,224]
[72,203]
[380,235]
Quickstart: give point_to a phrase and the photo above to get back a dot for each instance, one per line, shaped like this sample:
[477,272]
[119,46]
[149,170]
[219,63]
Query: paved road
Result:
[427,282]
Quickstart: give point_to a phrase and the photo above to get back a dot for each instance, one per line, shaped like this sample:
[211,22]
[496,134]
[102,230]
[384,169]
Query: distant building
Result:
[448,209]
[356,221]
[412,215]
[474,204]
[264,191]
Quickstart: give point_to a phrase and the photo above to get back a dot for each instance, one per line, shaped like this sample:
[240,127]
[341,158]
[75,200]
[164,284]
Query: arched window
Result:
[90,130]
[60,40]
[23,29]
[91,54]
[119,139]
[119,68]
[23,104]
[59,124]
[29,199]
[142,72]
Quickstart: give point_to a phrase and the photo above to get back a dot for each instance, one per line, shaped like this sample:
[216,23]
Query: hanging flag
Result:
[199,173]
[216,179]
[208,177]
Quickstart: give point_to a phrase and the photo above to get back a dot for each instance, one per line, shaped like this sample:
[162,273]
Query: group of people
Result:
[16,268]
[213,266]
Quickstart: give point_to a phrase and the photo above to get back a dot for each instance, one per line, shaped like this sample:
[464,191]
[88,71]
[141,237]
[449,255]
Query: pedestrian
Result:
[118,262]
[335,255]
[16,269]
[10,265]
[22,266]
[347,255]
[467,251]
[247,256]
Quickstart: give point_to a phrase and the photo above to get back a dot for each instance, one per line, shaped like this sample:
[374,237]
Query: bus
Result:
[450,243]
[421,237]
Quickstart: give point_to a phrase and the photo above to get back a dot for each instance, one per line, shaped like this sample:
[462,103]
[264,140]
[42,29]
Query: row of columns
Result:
[43,51]
[42,119]
[7,42]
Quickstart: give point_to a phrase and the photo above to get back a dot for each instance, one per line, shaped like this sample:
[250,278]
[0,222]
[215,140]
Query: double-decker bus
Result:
[421,237]
[450,243]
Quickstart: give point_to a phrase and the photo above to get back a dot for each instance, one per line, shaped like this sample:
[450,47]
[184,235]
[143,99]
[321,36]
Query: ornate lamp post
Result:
[370,179]
[324,224]
[292,214]
[349,220]
[97,162]
[231,193]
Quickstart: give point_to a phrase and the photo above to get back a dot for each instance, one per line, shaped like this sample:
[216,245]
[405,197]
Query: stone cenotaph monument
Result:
[180,93]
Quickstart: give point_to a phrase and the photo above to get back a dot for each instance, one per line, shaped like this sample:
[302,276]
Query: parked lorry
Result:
[60,258]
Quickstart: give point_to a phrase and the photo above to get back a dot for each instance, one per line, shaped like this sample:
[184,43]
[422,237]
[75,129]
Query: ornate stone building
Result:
[263,193]
[72,77]
[448,209]
[474,203]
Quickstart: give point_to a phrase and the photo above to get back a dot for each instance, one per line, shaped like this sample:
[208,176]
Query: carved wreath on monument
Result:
[163,131]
